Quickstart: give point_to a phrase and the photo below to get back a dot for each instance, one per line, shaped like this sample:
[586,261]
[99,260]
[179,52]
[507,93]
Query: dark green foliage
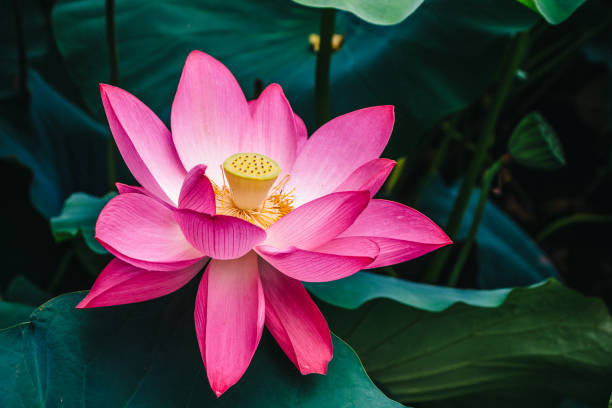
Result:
[535,144]
[544,341]
[146,355]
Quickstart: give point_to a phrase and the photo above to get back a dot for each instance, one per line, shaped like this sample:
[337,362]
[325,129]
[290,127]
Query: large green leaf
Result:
[146,355]
[544,342]
[380,12]
[506,255]
[59,142]
[354,291]
[554,11]
[437,61]
[79,214]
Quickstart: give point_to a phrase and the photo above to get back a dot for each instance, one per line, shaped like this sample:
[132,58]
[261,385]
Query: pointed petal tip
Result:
[308,371]
[199,167]
[444,238]
[390,108]
[321,370]
[197,52]
[276,88]
[105,88]
[83,303]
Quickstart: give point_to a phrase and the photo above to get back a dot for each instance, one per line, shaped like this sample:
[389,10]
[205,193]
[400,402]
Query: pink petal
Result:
[401,232]
[318,221]
[274,132]
[144,142]
[295,321]
[219,236]
[209,114]
[121,283]
[125,189]
[313,266]
[229,318]
[371,176]
[141,231]
[338,148]
[350,246]
[301,134]
[197,193]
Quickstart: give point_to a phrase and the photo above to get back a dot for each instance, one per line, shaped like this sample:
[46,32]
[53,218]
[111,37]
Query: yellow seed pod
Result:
[250,176]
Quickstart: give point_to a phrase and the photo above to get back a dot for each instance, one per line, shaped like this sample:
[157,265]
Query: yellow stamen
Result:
[277,204]
[250,177]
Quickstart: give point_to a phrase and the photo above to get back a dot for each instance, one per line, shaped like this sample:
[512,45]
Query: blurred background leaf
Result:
[437,61]
[79,214]
[62,145]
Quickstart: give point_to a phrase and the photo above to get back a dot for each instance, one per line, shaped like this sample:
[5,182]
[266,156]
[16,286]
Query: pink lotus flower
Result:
[272,208]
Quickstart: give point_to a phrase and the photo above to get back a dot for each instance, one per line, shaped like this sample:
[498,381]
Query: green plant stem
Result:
[485,140]
[433,168]
[322,84]
[487,180]
[572,220]
[22,75]
[111,39]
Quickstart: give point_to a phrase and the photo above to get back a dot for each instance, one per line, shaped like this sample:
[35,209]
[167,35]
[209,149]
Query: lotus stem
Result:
[433,167]
[487,180]
[485,140]
[322,83]
[22,75]
[111,39]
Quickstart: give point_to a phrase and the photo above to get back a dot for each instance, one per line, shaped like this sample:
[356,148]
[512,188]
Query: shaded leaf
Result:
[64,148]
[147,355]
[545,341]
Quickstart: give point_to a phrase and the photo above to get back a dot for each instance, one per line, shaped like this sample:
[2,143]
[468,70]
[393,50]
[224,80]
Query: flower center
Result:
[250,177]
[250,192]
